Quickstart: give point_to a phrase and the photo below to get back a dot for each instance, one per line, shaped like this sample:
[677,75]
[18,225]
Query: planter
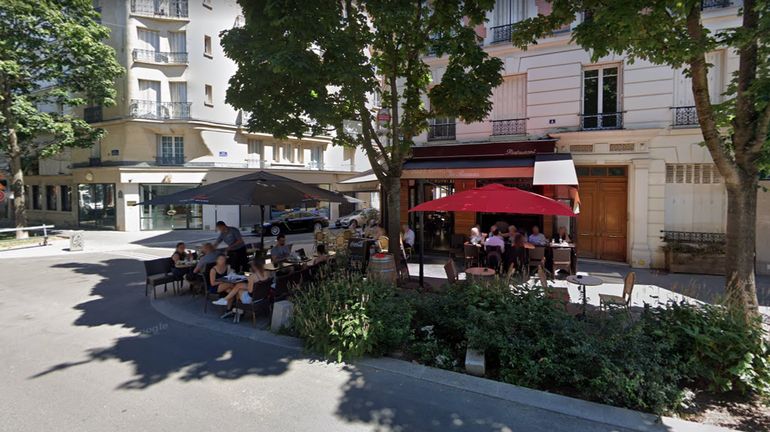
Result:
[711,264]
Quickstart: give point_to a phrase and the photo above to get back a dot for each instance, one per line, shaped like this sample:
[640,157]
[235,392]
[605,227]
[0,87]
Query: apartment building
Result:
[171,130]
[616,139]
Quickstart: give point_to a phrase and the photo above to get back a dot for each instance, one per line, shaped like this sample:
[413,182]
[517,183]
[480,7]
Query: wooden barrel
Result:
[382,267]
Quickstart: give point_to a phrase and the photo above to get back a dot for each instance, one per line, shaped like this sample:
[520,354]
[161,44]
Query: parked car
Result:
[295,222]
[357,219]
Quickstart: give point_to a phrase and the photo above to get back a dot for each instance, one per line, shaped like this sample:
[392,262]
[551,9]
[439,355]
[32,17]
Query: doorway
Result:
[602,222]
[96,206]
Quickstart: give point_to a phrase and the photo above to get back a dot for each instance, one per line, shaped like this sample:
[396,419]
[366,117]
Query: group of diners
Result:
[504,245]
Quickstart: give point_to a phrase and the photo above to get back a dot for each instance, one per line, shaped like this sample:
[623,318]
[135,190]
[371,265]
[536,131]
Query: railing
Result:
[255,163]
[151,56]
[170,160]
[160,8]
[92,114]
[509,127]
[503,33]
[712,4]
[601,121]
[33,228]
[146,109]
[693,237]
[441,131]
[685,116]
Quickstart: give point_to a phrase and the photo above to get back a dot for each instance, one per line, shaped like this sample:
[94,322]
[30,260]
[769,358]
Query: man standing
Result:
[236,248]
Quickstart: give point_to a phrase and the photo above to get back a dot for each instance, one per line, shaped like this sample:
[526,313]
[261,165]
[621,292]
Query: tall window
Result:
[255,153]
[601,102]
[50,197]
[65,192]
[148,39]
[207,46]
[209,95]
[317,157]
[36,205]
[171,150]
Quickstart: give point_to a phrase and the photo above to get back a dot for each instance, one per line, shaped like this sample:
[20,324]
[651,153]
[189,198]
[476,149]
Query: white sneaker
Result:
[220,302]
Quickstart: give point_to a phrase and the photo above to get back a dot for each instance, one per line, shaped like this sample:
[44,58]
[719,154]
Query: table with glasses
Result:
[582,281]
[550,247]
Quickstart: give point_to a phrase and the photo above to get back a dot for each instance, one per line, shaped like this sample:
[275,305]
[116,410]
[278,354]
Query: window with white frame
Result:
[170,150]
[209,97]
[601,98]
[255,153]
[317,157]
[207,50]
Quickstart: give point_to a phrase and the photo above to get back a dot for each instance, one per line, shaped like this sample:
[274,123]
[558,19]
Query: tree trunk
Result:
[392,187]
[17,184]
[741,235]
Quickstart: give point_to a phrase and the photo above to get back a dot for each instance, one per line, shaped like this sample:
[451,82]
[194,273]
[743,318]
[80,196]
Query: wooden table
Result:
[480,272]
[582,282]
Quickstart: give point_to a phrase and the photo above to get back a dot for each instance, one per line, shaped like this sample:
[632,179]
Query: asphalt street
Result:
[84,350]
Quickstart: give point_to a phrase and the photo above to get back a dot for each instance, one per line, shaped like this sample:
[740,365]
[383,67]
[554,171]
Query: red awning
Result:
[496,198]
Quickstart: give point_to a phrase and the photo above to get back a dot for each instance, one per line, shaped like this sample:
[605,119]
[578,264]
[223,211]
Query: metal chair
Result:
[562,259]
[158,272]
[607,301]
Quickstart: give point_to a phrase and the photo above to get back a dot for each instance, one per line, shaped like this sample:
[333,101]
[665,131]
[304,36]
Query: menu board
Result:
[358,252]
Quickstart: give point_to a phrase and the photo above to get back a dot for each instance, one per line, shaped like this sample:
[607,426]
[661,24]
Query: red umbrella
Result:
[496,198]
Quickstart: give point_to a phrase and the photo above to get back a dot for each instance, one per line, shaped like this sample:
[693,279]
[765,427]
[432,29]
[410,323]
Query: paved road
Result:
[83,350]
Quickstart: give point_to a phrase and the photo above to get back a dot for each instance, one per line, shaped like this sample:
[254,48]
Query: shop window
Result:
[36,198]
[65,192]
[50,197]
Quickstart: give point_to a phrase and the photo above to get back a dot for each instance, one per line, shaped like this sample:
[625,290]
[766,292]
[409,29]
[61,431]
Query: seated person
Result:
[562,236]
[180,254]
[280,251]
[537,238]
[495,239]
[407,236]
[245,289]
[476,237]
[220,270]
[209,257]
[321,255]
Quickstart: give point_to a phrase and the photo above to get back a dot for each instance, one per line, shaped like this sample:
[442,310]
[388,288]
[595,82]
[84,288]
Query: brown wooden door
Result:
[602,223]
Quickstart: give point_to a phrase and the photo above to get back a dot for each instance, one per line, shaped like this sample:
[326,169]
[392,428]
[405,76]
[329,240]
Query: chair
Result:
[494,257]
[537,256]
[209,292]
[347,235]
[158,272]
[607,301]
[559,294]
[562,259]
[451,272]
[259,298]
[472,255]
[318,238]
[383,243]
[341,243]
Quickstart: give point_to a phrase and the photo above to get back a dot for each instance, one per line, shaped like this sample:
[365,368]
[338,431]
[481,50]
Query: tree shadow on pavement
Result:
[158,347]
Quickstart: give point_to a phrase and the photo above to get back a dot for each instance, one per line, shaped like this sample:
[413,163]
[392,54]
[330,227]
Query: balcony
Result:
[92,114]
[685,116]
[169,9]
[503,33]
[509,127]
[441,131]
[714,4]
[150,56]
[169,160]
[601,121]
[154,110]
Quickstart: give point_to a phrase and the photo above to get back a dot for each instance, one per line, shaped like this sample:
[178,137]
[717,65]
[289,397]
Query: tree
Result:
[672,32]
[51,54]
[312,68]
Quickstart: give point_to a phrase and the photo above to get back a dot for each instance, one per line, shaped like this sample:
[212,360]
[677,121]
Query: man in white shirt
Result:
[408,235]
[537,238]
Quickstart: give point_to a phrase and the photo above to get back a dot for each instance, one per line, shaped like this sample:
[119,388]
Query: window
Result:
[317,157]
[171,150]
[65,192]
[255,147]
[255,153]
[207,46]
[50,197]
[209,95]
[36,198]
[601,102]
[276,152]
[288,153]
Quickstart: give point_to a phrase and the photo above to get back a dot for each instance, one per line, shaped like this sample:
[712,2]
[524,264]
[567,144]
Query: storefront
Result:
[96,206]
[168,216]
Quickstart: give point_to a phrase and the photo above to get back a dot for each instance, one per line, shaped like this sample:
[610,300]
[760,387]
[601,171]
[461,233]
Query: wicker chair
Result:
[562,259]
[537,256]
[472,254]
[607,301]
[494,257]
[451,272]
[559,294]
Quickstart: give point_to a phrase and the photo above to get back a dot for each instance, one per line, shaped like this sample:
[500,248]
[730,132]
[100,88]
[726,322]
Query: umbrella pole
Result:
[421,215]
[262,228]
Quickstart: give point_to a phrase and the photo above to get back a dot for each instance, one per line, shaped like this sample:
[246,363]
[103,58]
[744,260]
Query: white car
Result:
[353,220]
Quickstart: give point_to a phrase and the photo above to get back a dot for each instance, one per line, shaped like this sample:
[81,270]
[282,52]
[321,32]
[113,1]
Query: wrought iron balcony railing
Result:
[150,56]
[509,127]
[92,114]
[441,131]
[160,8]
[503,33]
[146,109]
[170,160]
[685,116]
[601,121]
[713,4]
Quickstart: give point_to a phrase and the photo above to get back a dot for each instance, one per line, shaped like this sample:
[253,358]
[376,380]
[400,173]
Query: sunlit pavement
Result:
[83,350]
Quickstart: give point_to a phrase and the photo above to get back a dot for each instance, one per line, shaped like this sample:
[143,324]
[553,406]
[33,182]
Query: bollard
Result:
[76,241]
[282,314]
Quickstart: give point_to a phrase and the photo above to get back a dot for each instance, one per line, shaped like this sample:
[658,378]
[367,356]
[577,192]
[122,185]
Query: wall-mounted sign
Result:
[115,152]
[223,154]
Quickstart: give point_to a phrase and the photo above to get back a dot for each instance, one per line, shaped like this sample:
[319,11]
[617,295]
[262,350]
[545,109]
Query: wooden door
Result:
[602,223]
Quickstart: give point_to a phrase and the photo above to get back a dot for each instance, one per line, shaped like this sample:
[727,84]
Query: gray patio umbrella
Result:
[259,188]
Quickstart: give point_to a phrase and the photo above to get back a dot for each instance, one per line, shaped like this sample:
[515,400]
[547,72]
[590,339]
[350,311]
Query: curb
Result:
[591,411]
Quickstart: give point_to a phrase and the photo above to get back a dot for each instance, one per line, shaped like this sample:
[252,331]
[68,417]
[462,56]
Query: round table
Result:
[482,272]
[582,282]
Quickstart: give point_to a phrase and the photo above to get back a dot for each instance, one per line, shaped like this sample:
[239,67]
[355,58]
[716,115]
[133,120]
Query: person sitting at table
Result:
[562,236]
[495,239]
[219,271]
[236,248]
[320,255]
[180,255]
[209,257]
[476,237]
[245,289]
[407,236]
[537,238]
[280,251]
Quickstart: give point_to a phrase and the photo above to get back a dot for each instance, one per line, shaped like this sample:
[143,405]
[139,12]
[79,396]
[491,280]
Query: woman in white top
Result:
[245,289]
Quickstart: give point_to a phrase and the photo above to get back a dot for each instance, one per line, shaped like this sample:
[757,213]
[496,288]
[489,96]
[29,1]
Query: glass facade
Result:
[168,216]
[96,206]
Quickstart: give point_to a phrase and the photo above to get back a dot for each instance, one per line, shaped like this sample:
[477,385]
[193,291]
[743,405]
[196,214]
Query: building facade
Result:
[172,129]
[629,127]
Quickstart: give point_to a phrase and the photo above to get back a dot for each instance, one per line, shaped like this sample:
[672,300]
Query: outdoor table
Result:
[241,278]
[272,266]
[185,264]
[480,272]
[582,282]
